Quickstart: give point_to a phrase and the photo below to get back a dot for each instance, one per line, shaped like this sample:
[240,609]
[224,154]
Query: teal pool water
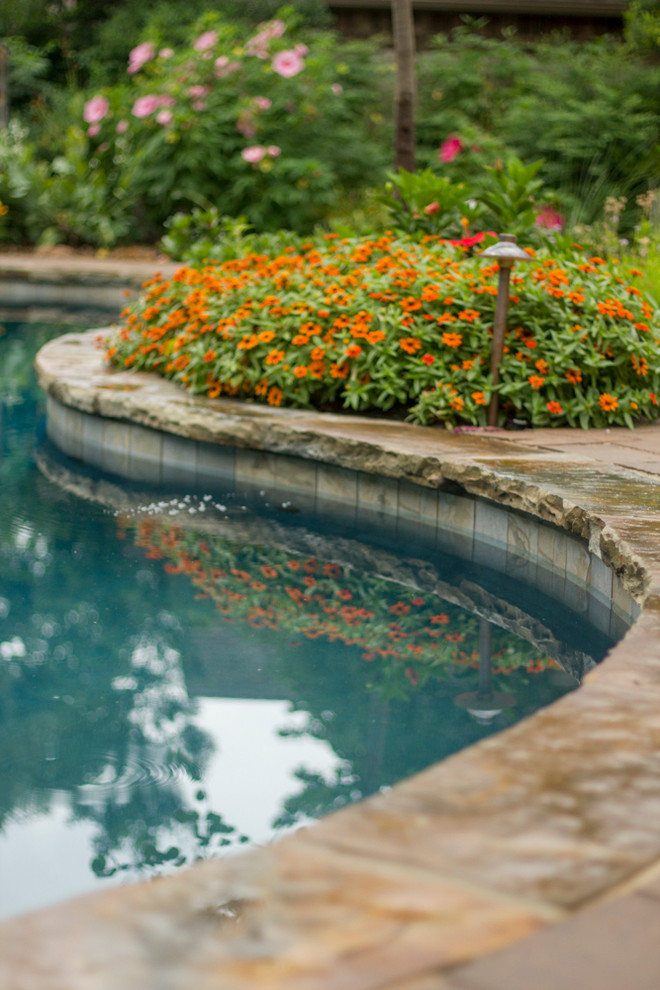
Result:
[185,674]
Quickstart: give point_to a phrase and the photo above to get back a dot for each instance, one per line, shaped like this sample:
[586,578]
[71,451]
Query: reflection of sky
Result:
[46,859]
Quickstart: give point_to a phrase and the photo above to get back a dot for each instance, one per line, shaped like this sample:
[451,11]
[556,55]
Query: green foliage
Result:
[642,24]
[391,324]
[428,203]
[509,195]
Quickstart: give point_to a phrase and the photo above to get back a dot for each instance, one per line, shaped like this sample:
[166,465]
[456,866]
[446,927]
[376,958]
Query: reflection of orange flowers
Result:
[452,339]
[608,402]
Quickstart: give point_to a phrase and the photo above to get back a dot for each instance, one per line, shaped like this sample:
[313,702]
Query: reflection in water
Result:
[184,676]
[485,704]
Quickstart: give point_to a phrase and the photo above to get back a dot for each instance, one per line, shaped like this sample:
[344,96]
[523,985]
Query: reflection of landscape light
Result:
[484,704]
[506,252]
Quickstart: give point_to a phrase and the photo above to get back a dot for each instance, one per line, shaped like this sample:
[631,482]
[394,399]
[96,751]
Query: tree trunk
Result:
[404,107]
[4,87]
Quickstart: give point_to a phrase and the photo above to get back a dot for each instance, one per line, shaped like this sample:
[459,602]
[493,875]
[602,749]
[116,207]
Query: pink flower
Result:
[223,67]
[166,52]
[273,151]
[122,127]
[288,63]
[206,41]
[274,29]
[139,56]
[166,101]
[302,50]
[145,105]
[198,104]
[93,130]
[164,117]
[549,218]
[337,88]
[95,109]
[432,208]
[262,102]
[197,91]
[449,149]
[253,154]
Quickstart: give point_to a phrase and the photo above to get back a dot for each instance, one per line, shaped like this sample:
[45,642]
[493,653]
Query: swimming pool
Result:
[184,673]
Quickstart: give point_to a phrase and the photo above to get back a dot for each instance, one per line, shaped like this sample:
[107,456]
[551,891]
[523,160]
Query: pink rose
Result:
[95,109]
[122,127]
[206,41]
[145,105]
[288,63]
[273,151]
[140,55]
[262,102]
[93,130]
[253,154]
[164,117]
[449,149]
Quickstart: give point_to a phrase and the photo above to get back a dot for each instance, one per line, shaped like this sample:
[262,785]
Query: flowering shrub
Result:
[264,126]
[382,323]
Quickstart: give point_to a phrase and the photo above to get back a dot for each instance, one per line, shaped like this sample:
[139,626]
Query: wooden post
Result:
[4,86]
[403,29]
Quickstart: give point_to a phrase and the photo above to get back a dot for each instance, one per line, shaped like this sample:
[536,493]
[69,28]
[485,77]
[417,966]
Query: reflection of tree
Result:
[92,698]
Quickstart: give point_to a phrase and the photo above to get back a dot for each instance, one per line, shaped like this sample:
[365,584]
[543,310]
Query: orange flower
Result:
[275,396]
[574,376]
[301,371]
[266,336]
[410,304]
[536,381]
[479,398]
[554,408]
[210,356]
[428,359]
[353,351]
[452,339]
[653,397]
[608,402]
[410,344]
[274,357]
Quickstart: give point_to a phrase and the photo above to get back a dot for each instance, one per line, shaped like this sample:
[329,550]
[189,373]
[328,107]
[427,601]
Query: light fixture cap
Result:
[506,250]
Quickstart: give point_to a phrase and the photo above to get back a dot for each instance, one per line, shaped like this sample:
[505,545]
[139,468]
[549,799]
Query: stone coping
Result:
[412,889]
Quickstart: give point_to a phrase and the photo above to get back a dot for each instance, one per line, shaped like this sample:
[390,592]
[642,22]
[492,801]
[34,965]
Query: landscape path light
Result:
[506,252]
